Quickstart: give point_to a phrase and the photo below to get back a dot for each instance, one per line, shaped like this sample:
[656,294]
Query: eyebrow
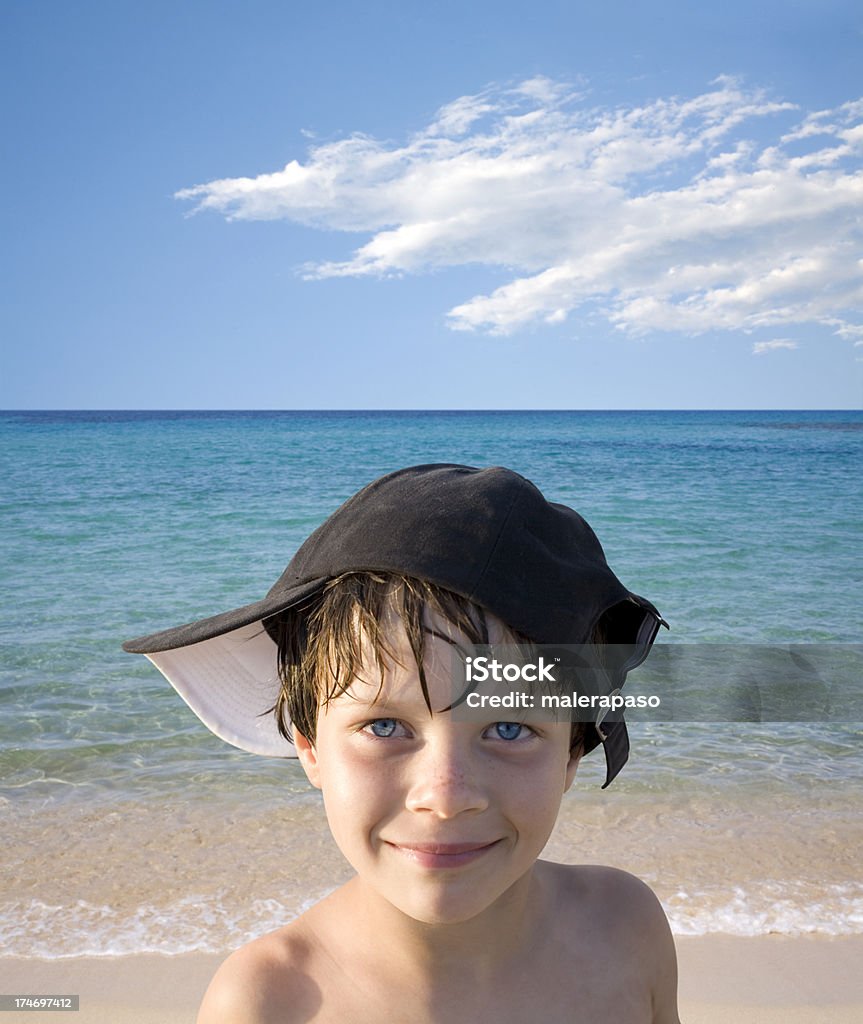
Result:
[397,705]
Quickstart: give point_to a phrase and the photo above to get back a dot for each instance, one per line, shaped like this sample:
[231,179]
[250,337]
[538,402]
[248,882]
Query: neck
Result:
[486,945]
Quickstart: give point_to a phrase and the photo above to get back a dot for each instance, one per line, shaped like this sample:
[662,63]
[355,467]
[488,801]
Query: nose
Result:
[447,781]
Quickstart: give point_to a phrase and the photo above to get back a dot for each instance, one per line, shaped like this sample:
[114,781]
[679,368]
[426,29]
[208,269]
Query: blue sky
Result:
[448,205]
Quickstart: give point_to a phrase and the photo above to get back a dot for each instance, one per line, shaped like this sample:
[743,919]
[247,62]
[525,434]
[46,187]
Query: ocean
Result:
[128,827]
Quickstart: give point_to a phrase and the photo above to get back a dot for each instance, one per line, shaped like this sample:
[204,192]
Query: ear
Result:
[572,766]
[308,758]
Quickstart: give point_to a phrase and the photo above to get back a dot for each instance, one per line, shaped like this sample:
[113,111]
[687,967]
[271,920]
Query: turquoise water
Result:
[739,526]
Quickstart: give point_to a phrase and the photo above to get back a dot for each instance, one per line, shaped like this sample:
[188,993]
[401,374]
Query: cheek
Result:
[536,796]
[538,805]
[356,798]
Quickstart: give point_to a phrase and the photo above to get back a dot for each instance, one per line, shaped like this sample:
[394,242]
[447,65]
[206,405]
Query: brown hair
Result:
[321,645]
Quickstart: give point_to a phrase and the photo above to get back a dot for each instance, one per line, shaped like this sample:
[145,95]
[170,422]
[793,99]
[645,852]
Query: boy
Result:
[451,915]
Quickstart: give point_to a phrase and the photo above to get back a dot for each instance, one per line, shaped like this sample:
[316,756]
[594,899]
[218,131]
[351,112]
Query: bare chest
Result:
[527,997]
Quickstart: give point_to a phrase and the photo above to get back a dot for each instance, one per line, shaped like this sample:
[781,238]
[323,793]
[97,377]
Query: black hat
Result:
[486,534]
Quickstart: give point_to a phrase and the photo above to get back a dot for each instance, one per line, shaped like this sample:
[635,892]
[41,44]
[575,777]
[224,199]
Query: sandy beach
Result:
[765,980]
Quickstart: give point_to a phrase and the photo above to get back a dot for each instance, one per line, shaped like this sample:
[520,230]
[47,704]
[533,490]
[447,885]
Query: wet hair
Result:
[323,646]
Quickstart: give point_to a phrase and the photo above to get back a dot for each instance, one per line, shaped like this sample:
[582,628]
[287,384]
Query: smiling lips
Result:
[444,855]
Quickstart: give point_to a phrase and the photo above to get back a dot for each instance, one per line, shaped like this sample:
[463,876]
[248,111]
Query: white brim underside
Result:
[231,683]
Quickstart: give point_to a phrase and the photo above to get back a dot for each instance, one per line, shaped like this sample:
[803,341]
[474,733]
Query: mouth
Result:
[444,855]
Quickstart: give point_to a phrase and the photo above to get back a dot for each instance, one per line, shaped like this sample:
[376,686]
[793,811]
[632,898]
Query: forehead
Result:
[390,673]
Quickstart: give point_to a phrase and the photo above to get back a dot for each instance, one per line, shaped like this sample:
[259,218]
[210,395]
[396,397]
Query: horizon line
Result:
[395,409]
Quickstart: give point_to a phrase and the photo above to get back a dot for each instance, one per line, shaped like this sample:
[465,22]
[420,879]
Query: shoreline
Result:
[118,878]
[760,980]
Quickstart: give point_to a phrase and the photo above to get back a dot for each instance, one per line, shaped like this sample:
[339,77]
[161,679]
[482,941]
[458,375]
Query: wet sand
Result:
[764,980]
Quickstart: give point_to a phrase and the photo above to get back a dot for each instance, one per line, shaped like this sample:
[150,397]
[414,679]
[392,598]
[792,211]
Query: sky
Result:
[399,205]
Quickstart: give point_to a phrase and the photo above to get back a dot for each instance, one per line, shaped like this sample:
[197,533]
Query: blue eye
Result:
[383,727]
[508,730]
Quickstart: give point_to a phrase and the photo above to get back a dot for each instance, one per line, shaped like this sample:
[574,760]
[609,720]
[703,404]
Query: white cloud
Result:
[684,215]
[760,348]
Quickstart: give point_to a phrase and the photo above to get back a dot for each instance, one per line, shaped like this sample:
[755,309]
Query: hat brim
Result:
[225,668]
[231,683]
[226,622]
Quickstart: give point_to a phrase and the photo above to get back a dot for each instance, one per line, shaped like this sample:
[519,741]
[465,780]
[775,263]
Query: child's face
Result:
[438,817]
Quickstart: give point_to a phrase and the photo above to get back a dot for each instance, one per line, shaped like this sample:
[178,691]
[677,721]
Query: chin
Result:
[446,908]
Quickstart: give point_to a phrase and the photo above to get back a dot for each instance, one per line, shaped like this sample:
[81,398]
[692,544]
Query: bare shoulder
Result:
[625,897]
[265,981]
[626,920]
